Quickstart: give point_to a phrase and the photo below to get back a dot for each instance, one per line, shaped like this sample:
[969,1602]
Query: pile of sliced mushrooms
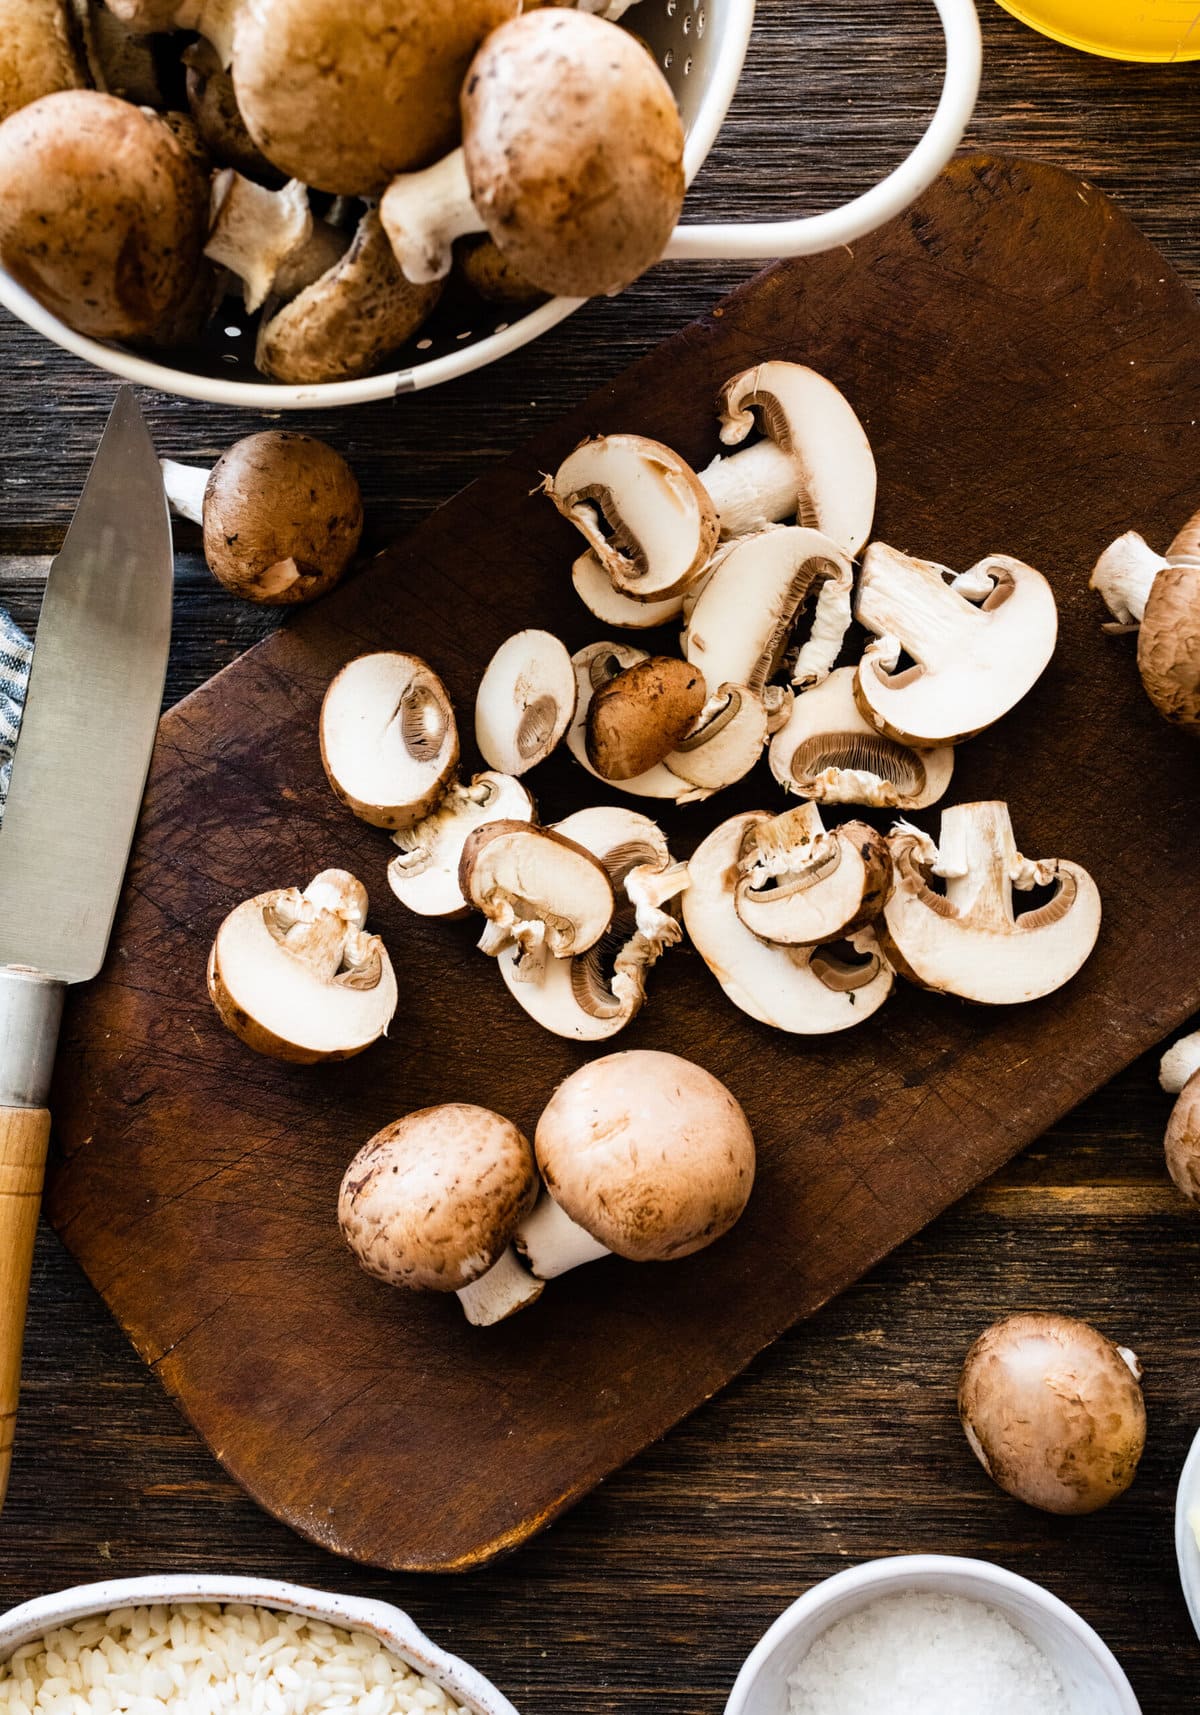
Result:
[804,917]
[333,165]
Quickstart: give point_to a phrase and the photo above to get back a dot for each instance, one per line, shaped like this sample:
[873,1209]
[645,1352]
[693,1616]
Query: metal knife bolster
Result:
[31,1005]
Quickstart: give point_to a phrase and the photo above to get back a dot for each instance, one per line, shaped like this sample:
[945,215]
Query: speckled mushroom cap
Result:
[574,151]
[1169,645]
[282,517]
[432,1201]
[647,1152]
[1042,1399]
[1182,1140]
[38,52]
[103,212]
[345,95]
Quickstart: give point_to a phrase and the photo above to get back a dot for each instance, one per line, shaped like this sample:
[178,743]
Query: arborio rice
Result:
[193,1659]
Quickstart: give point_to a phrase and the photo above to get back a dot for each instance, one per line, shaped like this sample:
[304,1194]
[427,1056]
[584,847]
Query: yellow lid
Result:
[1121,29]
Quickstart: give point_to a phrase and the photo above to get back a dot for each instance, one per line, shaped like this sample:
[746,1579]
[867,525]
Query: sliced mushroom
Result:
[808,991]
[639,716]
[347,322]
[739,629]
[726,740]
[828,752]
[1179,1076]
[432,1202]
[801,886]
[424,876]
[539,891]
[344,97]
[814,466]
[281,513]
[594,667]
[255,232]
[572,160]
[1159,597]
[644,1155]
[103,213]
[525,702]
[978,643]
[39,52]
[296,977]
[593,995]
[611,606]
[389,741]
[968,941]
[641,510]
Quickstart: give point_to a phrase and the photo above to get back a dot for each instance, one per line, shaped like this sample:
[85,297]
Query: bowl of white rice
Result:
[208,1646]
[930,1634]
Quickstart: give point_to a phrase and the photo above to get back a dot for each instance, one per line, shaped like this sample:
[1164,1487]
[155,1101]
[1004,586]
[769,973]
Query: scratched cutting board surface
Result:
[1028,370]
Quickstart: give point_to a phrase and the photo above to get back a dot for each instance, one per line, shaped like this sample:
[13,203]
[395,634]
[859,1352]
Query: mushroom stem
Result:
[1123,575]
[423,213]
[752,488]
[185,485]
[978,857]
[255,232]
[832,615]
[910,604]
[506,1288]
[1180,1064]
[212,19]
[552,1243]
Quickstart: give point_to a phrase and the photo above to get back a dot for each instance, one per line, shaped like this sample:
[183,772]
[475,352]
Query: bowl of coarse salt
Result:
[930,1634]
[215,1646]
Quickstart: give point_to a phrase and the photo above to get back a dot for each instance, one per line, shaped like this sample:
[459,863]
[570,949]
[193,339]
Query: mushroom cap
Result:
[801,886]
[146,16]
[639,717]
[525,702]
[1182,1141]
[389,740]
[519,874]
[574,151]
[432,1201]
[967,941]
[295,976]
[349,320]
[38,52]
[282,517]
[103,213]
[424,877]
[594,666]
[488,271]
[1169,645]
[808,991]
[1053,1412]
[345,97]
[828,752]
[648,1152]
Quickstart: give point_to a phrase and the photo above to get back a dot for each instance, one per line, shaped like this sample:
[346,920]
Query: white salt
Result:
[926,1654]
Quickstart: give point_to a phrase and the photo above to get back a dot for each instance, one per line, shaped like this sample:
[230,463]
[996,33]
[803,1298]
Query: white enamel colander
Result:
[701,45]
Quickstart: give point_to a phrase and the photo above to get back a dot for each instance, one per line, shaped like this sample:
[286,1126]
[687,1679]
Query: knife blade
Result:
[79,772]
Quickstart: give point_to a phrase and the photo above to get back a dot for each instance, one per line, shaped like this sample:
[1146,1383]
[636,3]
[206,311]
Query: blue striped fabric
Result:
[16,652]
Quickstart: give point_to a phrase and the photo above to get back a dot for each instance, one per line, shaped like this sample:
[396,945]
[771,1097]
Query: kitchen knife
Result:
[79,771]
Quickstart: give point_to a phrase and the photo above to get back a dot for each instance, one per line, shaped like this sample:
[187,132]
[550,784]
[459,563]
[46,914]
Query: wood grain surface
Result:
[1011,336]
[841,1442]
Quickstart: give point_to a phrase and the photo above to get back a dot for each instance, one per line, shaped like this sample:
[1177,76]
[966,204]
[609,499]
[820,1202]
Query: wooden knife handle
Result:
[24,1136]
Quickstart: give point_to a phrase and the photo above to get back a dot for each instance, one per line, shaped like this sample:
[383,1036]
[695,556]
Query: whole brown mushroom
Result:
[281,514]
[1053,1412]
[103,213]
[39,52]
[1158,596]
[343,97]
[1179,1076]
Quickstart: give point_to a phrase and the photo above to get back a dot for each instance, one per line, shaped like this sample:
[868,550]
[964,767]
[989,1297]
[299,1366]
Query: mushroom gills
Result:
[525,702]
[424,875]
[968,941]
[828,752]
[977,643]
[590,997]
[803,886]
[804,990]
[727,739]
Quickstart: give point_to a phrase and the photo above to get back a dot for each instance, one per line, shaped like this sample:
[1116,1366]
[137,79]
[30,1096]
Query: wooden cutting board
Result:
[1028,369]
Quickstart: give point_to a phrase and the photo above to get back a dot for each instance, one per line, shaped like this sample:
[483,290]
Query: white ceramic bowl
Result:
[392,1627]
[1186,1551]
[701,45]
[1089,1671]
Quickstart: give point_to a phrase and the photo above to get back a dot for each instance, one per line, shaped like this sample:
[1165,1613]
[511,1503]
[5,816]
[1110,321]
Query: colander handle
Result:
[901,188]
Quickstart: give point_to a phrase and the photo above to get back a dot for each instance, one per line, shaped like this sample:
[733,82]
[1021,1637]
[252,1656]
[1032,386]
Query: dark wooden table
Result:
[842,1442]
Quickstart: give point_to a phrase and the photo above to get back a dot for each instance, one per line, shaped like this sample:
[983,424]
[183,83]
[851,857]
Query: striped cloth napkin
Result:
[16,652]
